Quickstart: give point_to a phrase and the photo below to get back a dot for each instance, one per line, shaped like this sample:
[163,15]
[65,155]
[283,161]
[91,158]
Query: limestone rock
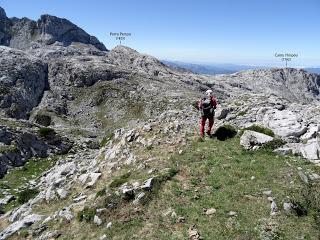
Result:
[250,139]
[311,150]
[16,226]
[97,220]
[284,123]
[23,80]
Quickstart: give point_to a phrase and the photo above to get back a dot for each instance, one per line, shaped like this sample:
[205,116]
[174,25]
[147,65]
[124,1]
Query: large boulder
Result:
[23,80]
[251,139]
[16,226]
[284,123]
[311,150]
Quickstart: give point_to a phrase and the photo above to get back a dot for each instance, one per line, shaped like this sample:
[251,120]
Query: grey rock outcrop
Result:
[23,79]
[251,139]
[284,123]
[25,33]
[17,146]
[16,226]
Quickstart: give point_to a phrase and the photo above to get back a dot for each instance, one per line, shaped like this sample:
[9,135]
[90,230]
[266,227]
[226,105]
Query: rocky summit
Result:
[98,144]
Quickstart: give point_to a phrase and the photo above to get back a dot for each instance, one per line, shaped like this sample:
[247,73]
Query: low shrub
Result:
[274,144]
[45,132]
[224,132]
[26,194]
[87,214]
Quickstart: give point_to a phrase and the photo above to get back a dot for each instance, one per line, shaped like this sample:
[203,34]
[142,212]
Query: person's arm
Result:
[199,104]
[214,102]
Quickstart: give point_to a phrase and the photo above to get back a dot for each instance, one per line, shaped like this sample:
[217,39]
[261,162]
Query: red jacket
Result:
[214,102]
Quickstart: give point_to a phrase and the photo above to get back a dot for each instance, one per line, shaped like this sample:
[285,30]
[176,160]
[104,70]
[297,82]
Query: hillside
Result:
[98,144]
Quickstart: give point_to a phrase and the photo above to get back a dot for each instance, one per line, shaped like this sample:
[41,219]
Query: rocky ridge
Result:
[25,33]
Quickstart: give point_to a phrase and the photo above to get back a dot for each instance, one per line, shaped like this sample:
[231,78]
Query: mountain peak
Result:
[25,33]
[2,13]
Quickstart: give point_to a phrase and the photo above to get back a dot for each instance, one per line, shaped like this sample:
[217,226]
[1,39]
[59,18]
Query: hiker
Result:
[207,105]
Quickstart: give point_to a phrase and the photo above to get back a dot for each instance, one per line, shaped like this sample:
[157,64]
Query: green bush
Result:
[26,194]
[43,119]
[224,132]
[87,214]
[261,129]
[45,132]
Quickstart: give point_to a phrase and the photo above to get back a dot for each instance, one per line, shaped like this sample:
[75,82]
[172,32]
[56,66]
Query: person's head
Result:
[209,92]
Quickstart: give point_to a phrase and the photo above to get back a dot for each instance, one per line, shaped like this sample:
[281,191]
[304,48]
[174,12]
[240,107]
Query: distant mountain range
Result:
[313,70]
[212,69]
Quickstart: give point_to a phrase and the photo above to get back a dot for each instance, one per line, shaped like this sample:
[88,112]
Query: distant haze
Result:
[212,69]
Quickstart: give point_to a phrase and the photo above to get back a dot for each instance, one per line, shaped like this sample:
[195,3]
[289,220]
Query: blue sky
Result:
[216,31]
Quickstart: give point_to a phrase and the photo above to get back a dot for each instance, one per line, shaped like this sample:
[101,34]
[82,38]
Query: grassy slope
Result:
[218,174]
[211,174]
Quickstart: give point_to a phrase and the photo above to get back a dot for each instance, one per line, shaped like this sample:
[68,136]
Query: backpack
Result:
[206,109]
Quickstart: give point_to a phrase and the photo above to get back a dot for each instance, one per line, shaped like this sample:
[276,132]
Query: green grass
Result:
[261,129]
[87,214]
[15,180]
[26,194]
[219,174]
[8,148]
[117,182]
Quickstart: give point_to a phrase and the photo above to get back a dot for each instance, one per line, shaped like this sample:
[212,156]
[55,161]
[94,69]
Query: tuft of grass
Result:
[43,119]
[106,139]
[242,113]
[117,182]
[149,147]
[101,192]
[261,129]
[25,195]
[87,214]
